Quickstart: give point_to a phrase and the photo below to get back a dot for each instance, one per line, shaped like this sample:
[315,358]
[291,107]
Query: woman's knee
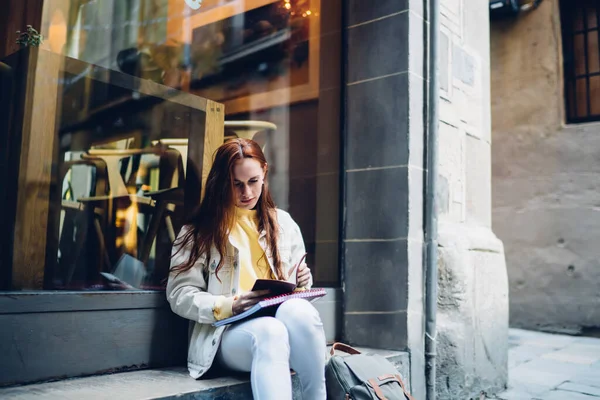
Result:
[298,310]
[271,332]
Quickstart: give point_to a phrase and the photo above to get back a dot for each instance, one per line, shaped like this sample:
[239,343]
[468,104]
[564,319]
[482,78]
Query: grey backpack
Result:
[358,376]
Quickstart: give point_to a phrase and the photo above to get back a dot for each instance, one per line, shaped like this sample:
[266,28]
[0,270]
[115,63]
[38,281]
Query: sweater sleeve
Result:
[223,307]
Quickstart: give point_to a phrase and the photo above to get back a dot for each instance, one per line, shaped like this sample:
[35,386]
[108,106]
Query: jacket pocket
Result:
[220,283]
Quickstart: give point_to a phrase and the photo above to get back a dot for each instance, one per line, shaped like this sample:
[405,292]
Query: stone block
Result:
[520,376]
[377,204]
[472,312]
[589,377]
[592,341]
[519,336]
[491,316]
[416,279]
[417,42]
[444,59]
[589,349]
[417,6]
[380,265]
[415,342]
[380,330]
[523,392]
[521,354]
[559,370]
[550,342]
[463,66]
[531,389]
[416,203]
[360,11]
[564,395]
[378,123]
[568,357]
[416,123]
[372,53]
[478,173]
[452,167]
[168,383]
[583,389]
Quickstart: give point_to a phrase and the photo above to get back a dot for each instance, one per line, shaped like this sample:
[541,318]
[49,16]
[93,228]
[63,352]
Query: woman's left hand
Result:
[303,276]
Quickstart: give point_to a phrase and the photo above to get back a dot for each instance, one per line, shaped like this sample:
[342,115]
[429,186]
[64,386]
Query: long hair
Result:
[211,223]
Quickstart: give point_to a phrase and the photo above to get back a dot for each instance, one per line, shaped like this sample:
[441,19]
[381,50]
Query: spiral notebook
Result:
[269,305]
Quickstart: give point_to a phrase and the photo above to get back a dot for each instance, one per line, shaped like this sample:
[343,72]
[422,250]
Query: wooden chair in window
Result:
[78,221]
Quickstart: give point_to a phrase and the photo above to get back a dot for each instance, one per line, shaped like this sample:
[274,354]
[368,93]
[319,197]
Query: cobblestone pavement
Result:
[543,366]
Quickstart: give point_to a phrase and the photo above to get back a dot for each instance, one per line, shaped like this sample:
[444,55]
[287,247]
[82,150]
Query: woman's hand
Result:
[246,300]
[303,276]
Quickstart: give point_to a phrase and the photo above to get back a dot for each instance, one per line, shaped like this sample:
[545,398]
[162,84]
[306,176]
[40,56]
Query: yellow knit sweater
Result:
[253,262]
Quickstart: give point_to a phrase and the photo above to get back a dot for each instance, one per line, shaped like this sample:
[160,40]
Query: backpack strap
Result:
[398,379]
[408,396]
[343,347]
[377,389]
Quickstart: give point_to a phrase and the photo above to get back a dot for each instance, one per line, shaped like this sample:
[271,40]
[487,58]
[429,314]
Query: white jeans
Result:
[268,347]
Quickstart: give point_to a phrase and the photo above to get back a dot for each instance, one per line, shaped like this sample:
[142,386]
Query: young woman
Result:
[236,237]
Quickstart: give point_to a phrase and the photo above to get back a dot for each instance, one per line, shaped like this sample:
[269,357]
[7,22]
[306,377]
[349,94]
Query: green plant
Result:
[31,37]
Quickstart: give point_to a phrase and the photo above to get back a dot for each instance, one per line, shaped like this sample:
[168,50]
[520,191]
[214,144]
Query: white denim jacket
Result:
[193,294]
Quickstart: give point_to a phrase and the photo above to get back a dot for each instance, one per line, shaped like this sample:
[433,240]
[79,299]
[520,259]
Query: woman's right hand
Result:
[247,300]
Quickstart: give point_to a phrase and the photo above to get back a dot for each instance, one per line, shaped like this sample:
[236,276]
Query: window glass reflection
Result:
[122,158]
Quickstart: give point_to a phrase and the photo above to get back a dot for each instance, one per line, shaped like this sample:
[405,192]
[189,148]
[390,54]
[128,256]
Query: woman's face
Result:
[248,178]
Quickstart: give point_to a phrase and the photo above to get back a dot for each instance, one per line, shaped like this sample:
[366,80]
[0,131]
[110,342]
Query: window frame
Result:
[568,10]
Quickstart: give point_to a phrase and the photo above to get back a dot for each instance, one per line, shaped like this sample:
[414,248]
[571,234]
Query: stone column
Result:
[473,286]
[384,178]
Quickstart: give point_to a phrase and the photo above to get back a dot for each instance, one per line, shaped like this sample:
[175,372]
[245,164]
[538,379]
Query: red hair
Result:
[211,222]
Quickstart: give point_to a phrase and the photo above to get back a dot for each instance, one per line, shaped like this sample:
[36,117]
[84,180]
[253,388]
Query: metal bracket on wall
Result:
[530,5]
[510,8]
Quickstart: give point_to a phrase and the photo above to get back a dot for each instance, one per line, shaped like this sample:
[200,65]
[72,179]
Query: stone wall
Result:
[545,180]
[473,285]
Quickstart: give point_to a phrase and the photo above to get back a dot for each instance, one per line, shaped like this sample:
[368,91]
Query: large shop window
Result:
[580,21]
[94,200]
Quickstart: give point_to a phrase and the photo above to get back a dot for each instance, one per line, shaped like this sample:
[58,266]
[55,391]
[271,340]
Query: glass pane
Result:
[593,53]
[590,14]
[579,54]
[582,93]
[274,64]
[571,99]
[595,95]
[578,19]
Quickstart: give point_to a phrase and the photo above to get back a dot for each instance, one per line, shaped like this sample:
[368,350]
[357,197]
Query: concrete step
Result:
[163,384]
